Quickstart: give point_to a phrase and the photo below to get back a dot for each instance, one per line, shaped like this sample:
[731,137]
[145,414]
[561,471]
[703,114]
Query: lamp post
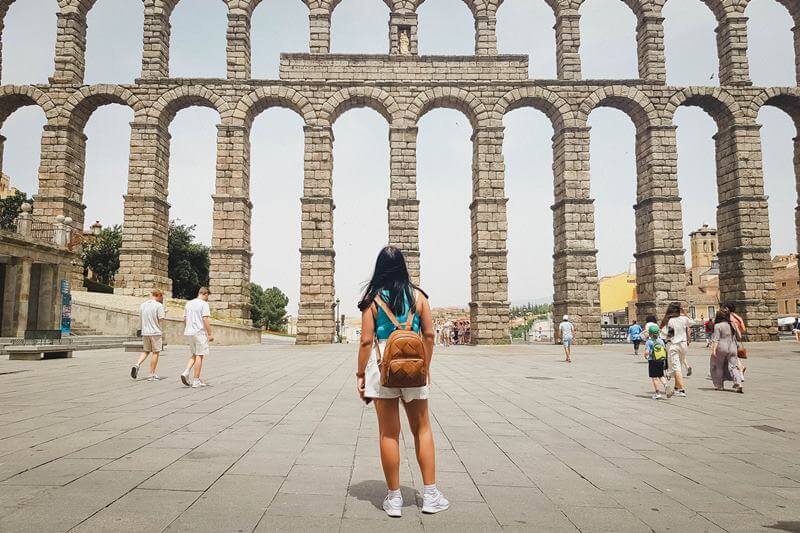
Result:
[338,326]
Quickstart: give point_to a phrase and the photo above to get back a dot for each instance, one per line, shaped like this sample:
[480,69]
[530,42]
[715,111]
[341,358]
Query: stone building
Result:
[787,285]
[6,189]
[402,86]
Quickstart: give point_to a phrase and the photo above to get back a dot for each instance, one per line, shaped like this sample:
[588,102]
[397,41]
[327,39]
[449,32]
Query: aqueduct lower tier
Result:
[320,87]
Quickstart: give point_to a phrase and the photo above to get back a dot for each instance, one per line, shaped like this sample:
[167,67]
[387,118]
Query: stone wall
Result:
[402,87]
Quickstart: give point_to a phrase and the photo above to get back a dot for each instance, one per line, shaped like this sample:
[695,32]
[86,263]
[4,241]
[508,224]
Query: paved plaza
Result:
[280,442]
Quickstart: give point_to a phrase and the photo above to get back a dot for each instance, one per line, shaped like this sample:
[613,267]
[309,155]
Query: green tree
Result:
[10,208]
[102,255]
[268,307]
[188,261]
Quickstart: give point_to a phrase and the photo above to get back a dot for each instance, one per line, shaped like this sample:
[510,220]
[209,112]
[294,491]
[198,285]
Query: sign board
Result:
[66,308]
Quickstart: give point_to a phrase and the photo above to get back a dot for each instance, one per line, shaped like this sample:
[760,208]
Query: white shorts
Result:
[677,354]
[374,389]
[198,343]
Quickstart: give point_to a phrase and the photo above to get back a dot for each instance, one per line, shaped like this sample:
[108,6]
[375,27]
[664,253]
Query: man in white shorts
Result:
[152,312]
[197,317]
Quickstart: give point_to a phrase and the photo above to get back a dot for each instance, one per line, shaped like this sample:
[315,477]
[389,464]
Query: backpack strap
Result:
[410,320]
[379,301]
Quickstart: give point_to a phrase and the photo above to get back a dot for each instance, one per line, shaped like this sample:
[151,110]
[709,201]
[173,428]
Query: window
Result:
[692,311]
[711,311]
[783,284]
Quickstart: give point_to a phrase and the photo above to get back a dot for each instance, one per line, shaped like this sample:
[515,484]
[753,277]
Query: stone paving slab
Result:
[280,442]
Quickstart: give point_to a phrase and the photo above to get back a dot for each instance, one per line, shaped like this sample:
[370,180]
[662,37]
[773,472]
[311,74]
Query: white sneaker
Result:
[154,377]
[393,506]
[657,396]
[434,503]
[680,393]
[669,390]
[197,384]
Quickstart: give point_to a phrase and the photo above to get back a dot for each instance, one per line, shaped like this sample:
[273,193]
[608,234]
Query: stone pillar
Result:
[796,33]
[489,308]
[47,297]
[319,23]
[315,320]
[23,294]
[2,140]
[11,300]
[732,49]
[61,175]
[155,52]
[143,258]
[403,206]
[486,33]
[230,240]
[238,47]
[568,43]
[403,33]
[70,48]
[746,277]
[660,265]
[797,186]
[575,289]
[650,48]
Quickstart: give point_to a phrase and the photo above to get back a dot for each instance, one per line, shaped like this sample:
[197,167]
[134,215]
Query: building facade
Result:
[402,86]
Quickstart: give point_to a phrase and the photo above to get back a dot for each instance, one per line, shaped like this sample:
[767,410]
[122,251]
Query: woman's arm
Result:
[426,326]
[365,348]
[715,340]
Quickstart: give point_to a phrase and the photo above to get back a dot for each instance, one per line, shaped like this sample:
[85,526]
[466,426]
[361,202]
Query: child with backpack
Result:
[655,352]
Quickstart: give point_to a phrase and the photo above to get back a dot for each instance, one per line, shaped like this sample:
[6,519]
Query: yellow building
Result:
[616,292]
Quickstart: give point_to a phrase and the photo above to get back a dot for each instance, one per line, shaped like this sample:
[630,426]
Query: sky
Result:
[361,149]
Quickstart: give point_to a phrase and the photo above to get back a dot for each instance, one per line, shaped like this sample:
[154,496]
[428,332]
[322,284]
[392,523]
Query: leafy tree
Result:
[10,208]
[102,255]
[268,307]
[188,261]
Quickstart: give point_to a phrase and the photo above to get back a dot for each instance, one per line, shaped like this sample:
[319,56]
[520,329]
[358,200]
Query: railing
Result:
[58,232]
[618,333]
[40,230]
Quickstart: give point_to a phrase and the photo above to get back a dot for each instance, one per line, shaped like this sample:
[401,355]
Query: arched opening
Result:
[697,186]
[528,155]
[360,191]
[192,169]
[444,178]
[770,44]
[198,40]
[105,179]
[525,27]
[360,27]
[29,42]
[607,53]
[690,43]
[612,162]
[276,185]
[445,27]
[277,26]
[20,152]
[114,41]
[777,146]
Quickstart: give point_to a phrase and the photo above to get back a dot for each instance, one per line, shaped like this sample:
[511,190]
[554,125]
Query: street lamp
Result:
[338,326]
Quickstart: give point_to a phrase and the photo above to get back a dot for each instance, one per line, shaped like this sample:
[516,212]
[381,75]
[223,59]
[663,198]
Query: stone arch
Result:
[452,98]
[717,102]
[13,97]
[787,100]
[629,100]
[252,104]
[352,97]
[556,108]
[168,104]
[476,7]
[85,101]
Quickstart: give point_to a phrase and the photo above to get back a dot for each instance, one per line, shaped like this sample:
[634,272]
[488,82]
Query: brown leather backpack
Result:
[402,363]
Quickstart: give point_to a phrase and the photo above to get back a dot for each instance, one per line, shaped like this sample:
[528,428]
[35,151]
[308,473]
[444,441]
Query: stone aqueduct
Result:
[402,87]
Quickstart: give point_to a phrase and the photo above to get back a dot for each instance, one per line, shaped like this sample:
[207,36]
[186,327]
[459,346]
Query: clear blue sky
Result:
[361,174]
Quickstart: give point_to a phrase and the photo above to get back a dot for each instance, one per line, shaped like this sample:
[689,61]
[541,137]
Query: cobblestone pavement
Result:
[279,441]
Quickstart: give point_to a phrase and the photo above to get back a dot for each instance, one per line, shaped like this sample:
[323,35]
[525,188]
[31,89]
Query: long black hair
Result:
[391,273]
[673,310]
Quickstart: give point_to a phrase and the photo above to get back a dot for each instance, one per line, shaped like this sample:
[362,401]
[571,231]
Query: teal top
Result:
[384,326]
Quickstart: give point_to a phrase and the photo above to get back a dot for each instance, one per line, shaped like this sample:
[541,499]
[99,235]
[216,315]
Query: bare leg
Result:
[190,364]
[678,380]
[655,384]
[154,362]
[198,366]
[418,419]
[389,430]
[142,358]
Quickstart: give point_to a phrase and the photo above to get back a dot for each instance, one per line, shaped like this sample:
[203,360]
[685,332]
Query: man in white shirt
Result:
[152,312]
[197,318]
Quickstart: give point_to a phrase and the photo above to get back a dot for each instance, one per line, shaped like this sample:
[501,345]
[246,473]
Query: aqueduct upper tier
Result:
[402,87]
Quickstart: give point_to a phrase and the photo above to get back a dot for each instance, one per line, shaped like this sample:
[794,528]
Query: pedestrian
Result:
[650,321]
[655,351]
[796,329]
[197,317]
[738,323]
[709,330]
[635,337]
[724,349]
[389,301]
[676,324]
[567,331]
[152,315]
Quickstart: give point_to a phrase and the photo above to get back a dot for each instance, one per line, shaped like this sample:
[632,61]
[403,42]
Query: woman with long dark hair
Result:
[391,289]
[724,352]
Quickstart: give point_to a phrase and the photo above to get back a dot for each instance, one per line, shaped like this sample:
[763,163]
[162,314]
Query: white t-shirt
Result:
[194,312]
[152,311]
[679,325]
[566,330]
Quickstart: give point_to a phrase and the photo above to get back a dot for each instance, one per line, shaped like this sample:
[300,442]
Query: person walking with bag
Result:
[394,359]
[724,348]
